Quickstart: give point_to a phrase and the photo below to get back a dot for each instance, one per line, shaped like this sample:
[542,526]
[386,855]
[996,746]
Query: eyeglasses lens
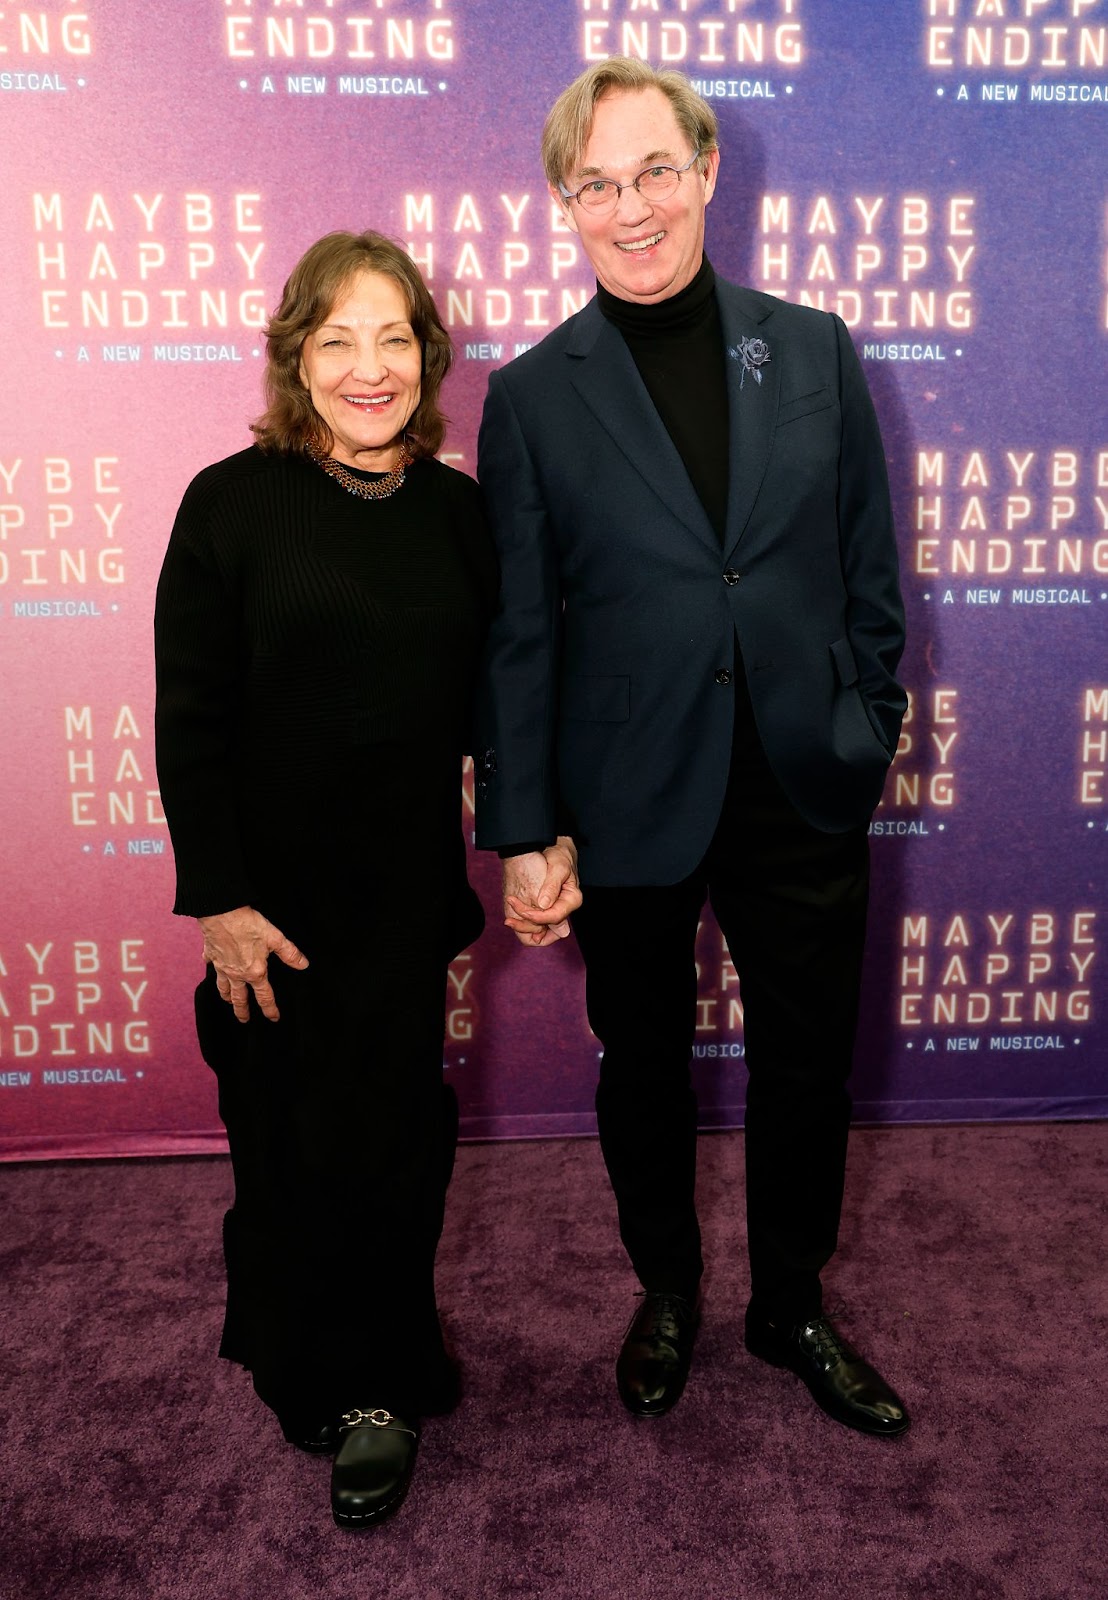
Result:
[654,184]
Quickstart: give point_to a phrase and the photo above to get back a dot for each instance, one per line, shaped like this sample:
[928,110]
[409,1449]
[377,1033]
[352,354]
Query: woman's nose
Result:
[370,369]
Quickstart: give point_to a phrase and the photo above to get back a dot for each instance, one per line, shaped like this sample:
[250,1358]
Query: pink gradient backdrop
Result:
[993,211]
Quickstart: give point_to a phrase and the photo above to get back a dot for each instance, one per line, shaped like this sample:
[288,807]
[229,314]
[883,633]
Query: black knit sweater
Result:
[306,640]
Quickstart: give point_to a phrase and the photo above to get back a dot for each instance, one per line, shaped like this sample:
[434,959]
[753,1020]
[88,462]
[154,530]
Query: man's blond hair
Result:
[569,124]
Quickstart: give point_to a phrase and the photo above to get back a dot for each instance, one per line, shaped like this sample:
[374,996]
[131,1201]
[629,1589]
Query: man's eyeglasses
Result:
[654,183]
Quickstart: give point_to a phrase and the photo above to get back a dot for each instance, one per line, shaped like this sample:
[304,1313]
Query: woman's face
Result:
[362,369]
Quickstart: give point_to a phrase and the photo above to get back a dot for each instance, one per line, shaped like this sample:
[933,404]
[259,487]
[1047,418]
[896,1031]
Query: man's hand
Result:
[238,944]
[540,892]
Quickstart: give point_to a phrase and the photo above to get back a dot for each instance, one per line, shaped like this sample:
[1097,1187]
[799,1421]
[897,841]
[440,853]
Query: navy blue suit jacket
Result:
[606,709]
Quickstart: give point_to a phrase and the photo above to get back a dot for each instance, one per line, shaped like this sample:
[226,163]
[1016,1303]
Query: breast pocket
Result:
[596,698]
[802,405]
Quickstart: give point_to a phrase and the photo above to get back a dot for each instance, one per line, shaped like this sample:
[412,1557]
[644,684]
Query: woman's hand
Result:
[238,944]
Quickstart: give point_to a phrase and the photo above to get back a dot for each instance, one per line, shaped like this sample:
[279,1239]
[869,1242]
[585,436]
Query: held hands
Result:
[238,945]
[540,892]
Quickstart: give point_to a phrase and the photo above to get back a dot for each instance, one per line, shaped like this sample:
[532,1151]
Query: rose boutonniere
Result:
[753,353]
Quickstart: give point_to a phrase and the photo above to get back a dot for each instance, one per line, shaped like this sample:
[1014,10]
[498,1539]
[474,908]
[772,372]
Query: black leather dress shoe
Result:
[373,1467]
[656,1354]
[846,1387]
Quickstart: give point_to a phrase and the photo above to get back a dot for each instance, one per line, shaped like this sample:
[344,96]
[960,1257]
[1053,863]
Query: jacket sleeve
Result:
[514,754]
[867,542]
[197,634]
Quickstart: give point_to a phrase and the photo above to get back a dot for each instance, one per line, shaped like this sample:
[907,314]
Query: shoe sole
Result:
[642,1415]
[367,1519]
[650,1416]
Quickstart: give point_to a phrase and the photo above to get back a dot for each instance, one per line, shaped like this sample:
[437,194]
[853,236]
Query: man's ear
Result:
[710,175]
[560,200]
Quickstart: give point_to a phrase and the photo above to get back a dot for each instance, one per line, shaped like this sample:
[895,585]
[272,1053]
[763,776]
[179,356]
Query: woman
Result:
[319,615]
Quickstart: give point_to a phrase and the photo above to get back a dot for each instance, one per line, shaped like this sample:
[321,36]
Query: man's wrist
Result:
[528,848]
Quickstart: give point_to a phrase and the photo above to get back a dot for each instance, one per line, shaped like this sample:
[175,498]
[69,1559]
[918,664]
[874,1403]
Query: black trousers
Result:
[791,902]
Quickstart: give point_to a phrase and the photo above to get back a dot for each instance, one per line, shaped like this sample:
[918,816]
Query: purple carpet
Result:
[136,1466]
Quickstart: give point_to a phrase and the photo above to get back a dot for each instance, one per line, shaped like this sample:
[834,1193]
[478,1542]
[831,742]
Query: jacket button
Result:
[731,577]
[723,675]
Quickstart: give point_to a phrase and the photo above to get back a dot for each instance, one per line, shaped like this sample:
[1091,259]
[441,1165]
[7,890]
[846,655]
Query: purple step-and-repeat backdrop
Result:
[933,170]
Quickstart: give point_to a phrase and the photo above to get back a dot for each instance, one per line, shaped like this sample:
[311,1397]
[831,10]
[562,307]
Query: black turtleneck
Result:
[677,345]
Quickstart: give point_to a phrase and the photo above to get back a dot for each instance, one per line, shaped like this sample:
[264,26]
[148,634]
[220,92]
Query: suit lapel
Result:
[605,376]
[752,405]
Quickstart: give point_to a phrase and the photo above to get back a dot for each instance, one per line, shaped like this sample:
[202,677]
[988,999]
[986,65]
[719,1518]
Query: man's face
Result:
[643,250]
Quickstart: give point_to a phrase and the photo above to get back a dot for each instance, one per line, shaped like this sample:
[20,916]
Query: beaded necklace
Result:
[365,488]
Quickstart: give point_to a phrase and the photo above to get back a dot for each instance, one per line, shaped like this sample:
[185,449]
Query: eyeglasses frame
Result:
[634,183]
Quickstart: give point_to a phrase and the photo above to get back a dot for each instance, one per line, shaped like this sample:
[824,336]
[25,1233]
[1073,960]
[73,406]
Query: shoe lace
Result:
[670,1315]
[825,1343]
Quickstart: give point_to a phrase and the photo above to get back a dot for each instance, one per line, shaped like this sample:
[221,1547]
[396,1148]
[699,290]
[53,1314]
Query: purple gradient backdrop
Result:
[157,106]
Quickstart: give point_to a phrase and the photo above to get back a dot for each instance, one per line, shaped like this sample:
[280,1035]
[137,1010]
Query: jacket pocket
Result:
[846,669]
[803,404]
[591,698]
[845,665]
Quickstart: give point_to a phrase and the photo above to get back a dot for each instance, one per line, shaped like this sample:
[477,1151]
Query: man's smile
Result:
[631,245]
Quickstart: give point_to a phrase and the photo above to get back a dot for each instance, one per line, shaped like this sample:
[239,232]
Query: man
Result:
[691,695]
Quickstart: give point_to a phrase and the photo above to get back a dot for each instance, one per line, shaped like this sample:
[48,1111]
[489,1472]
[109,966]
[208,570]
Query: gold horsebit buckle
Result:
[378,1418]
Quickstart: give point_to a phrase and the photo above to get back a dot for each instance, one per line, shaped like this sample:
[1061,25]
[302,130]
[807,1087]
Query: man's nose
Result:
[631,206]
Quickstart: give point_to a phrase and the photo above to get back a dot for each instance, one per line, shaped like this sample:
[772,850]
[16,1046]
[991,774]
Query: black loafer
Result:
[373,1467]
[844,1385]
[654,1361]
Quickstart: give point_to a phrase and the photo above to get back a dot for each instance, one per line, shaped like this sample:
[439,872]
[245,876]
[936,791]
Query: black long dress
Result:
[315,659]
